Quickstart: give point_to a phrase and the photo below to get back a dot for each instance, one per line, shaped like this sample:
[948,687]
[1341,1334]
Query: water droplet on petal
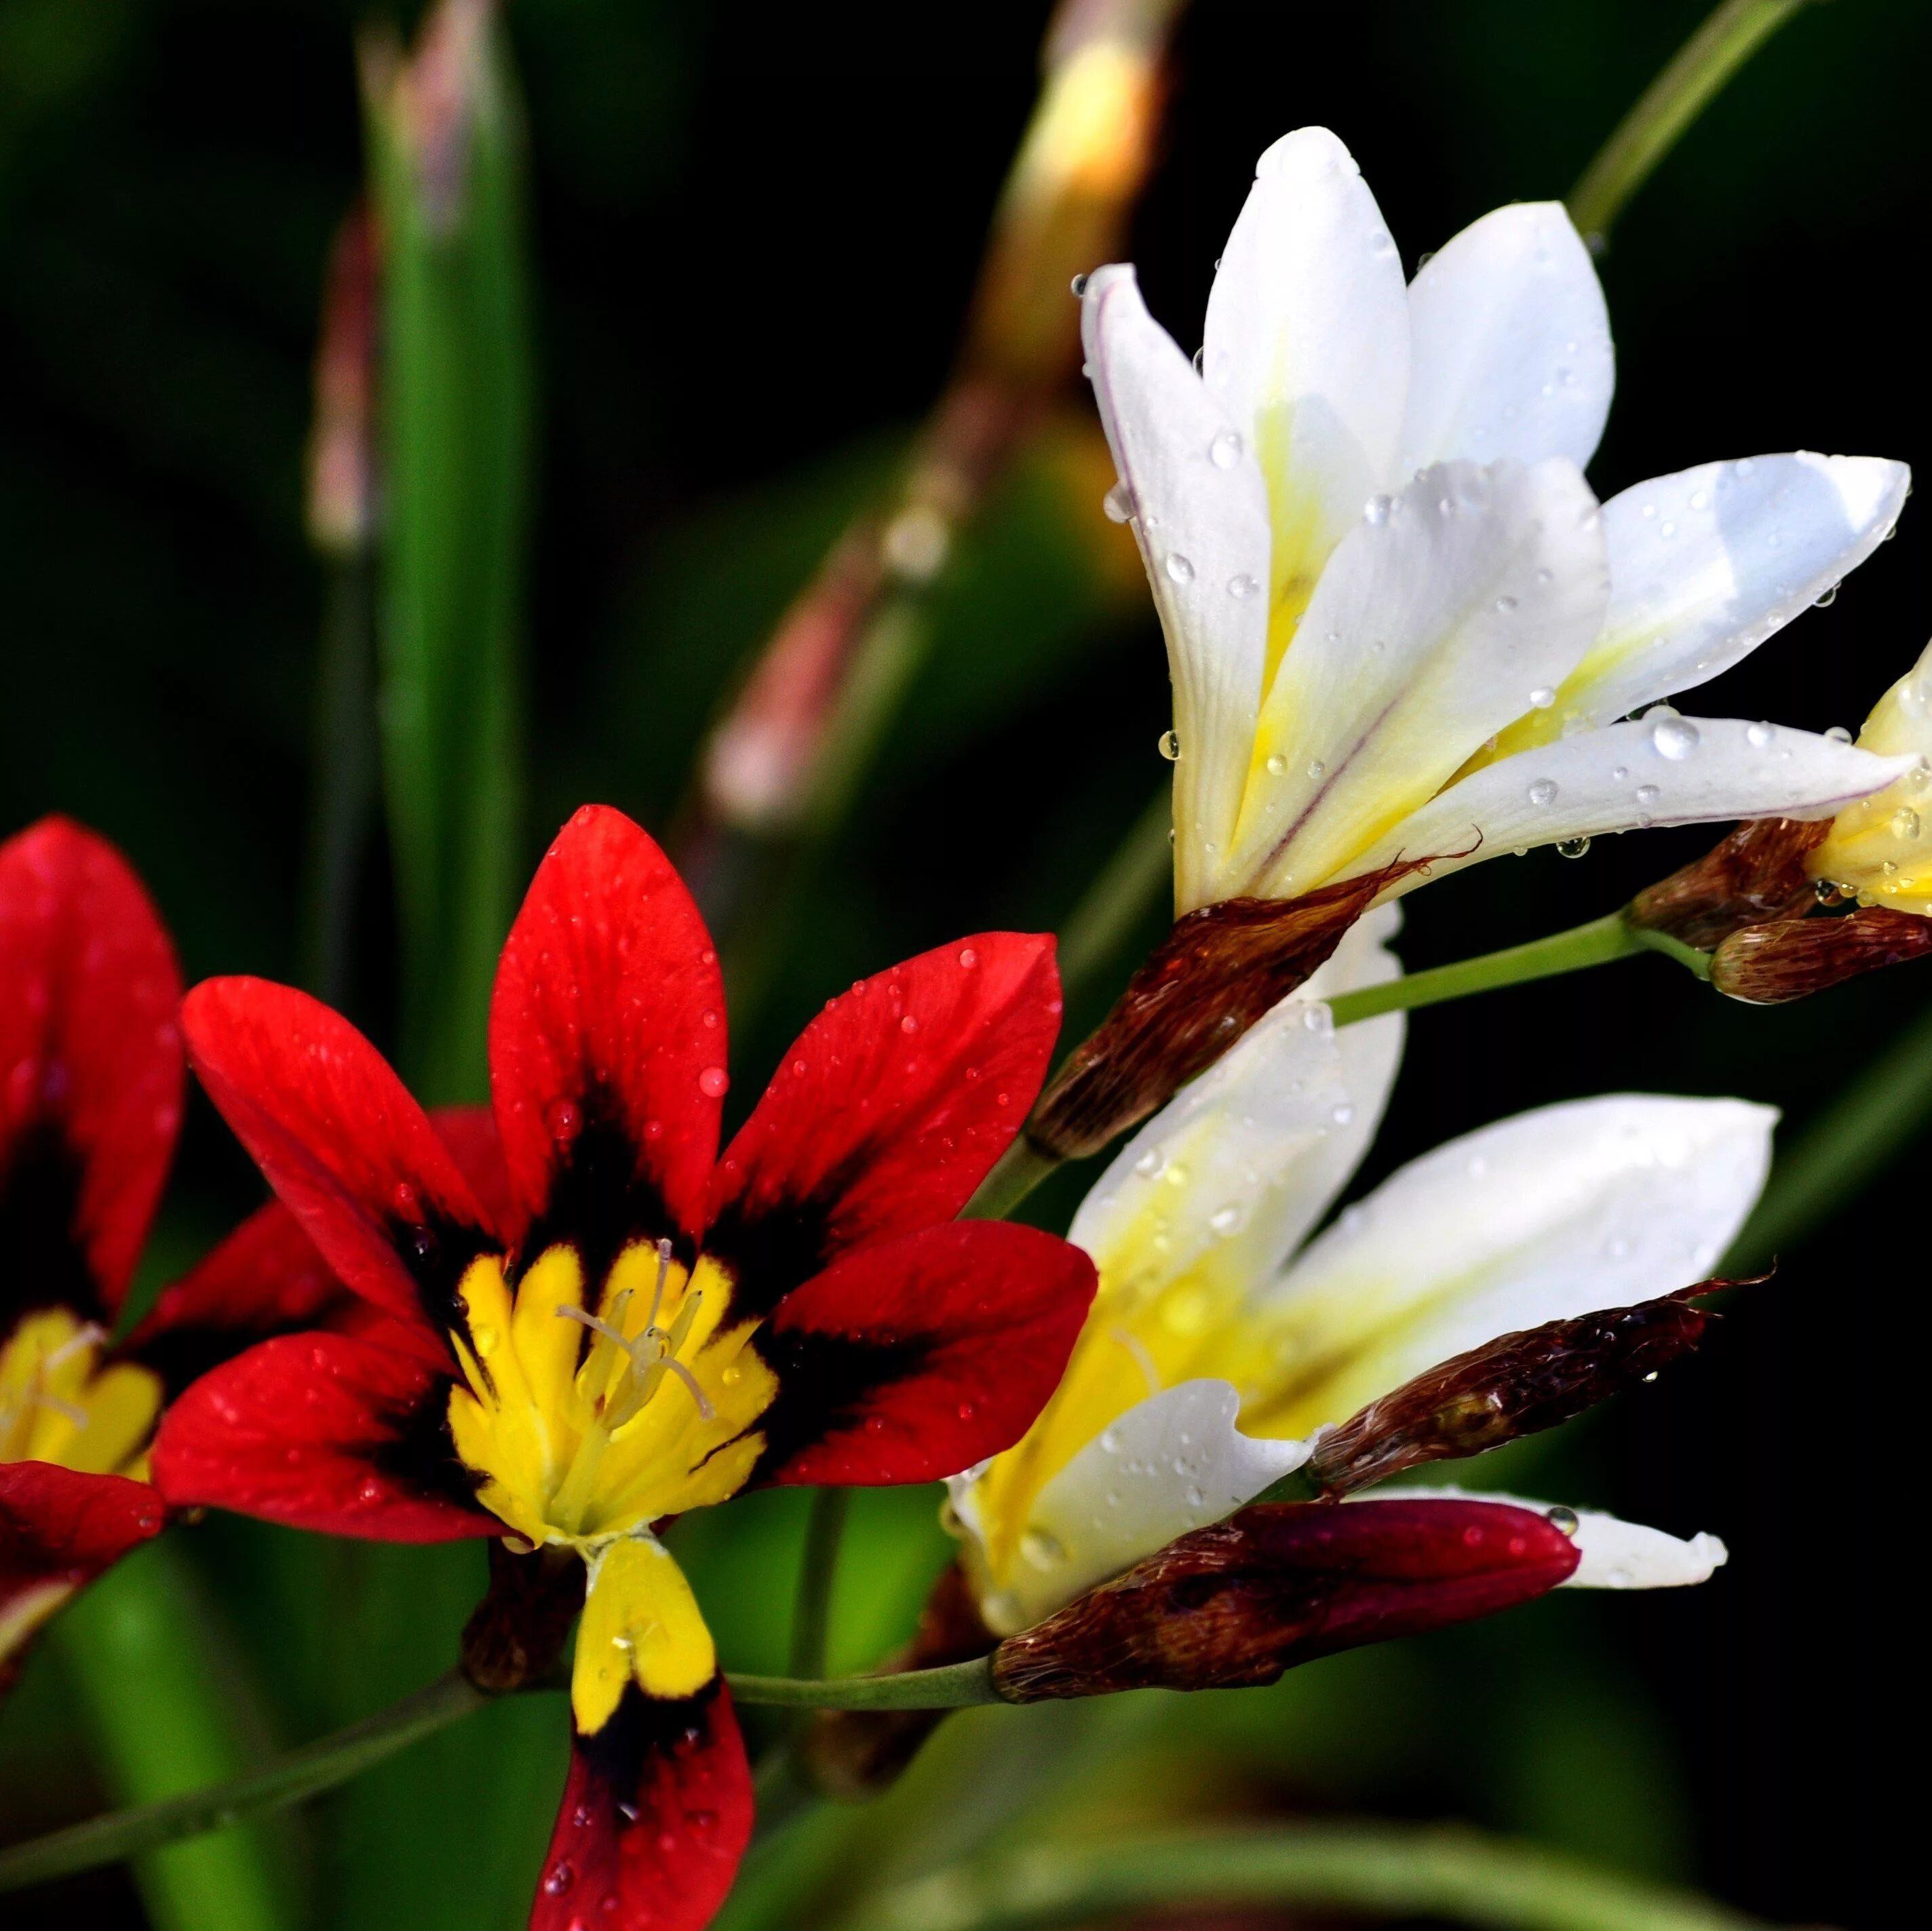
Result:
[1837,734]
[1277,765]
[1078,285]
[1572,848]
[1674,737]
[1179,567]
[565,1121]
[1759,736]
[1242,588]
[1542,792]
[1224,452]
[1542,697]
[1118,504]
[1648,794]
[712,1081]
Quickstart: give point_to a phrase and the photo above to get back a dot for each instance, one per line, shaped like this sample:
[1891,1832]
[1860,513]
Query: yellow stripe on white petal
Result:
[1200,515]
[641,1624]
[1510,345]
[1439,619]
[1665,770]
[1169,1465]
[1306,347]
[1593,1203]
[1881,848]
[1616,1554]
[1706,564]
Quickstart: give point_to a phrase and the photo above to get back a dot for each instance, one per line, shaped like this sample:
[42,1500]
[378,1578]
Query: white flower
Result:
[1399,624]
[1880,849]
[1222,1337]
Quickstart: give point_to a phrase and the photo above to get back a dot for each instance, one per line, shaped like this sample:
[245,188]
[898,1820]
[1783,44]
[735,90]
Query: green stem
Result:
[163,1714]
[1016,1173]
[818,1570]
[1385,1871]
[1733,32]
[1598,942]
[346,1753]
[1875,1119]
[1141,866]
[957,1685]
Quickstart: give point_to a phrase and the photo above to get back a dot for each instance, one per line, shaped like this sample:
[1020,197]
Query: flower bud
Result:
[1516,1385]
[1280,1584]
[1791,958]
[1218,971]
[1756,874]
[341,449]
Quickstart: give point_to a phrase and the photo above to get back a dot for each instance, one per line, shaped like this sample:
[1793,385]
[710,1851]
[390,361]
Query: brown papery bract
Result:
[1517,1384]
[1217,972]
[1791,959]
[1756,874]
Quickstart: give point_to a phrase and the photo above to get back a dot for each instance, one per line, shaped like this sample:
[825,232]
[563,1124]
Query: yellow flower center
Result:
[590,1424]
[57,1404]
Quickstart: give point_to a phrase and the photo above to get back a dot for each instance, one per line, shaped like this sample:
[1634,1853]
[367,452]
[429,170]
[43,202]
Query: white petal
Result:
[1617,1554]
[1592,1203]
[1238,1166]
[1511,344]
[1670,771]
[1430,629]
[1307,345]
[1201,517]
[1176,1462]
[1707,564]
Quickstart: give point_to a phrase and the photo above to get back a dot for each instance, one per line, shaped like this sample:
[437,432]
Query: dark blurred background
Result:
[756,229]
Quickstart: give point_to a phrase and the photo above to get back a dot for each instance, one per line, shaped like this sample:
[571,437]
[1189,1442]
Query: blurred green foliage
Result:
[751,238]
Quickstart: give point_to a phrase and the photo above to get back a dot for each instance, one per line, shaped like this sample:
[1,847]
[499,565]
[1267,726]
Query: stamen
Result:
[705,1410]
[89,1334]
[1137,1349]
[657,1293]
[65,1409]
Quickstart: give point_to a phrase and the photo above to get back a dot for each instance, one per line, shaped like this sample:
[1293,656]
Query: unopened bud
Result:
[1755,873]
[341,449]
[516,1635]
[1516,1385]
[1216,973]
[1768,965]
[1280,1583]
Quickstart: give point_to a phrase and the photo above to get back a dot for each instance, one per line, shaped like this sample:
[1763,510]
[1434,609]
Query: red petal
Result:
[889,1110]
[321,1432]
[59,1529]
[266,1278]
[607,1045]
[656,1814]
[469,1132]
[90,1067]
[915,1359]
[341,1141]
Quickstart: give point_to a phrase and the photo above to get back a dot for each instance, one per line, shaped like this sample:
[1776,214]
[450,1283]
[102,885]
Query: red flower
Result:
[633,1327]
[90,1074]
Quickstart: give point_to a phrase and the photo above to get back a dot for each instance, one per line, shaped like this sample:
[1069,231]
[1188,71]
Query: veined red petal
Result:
[469,1133]
[341,1141]
[607,1046]
[58,1529]
[321,1432]
[656,1814]
[915,1358]
[90,1069]
[889,1110]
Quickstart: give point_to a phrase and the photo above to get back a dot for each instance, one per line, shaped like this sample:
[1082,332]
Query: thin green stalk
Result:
[162,1715]
[1876,1119]
[1127,889]
[1600,942]
[1705,62]
[159,1714]
[1382,1870]
[957,1685]
[818,1570]
[302,1774]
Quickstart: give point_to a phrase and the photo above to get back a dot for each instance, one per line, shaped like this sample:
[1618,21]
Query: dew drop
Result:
[968,958]
[1117,505]
[1825,598]
[1542,792]
[1563,1520]
[1179,567]
[1078,285]
[1572,848]
[1837,734]
[1168,746]
[1242,588]
[1277,766]
[712,1081]
[1542,697]
[1378,509]
[1505,604]
[1043,1550]
[561,1877]
[1224,452]
[1758,735]
[1905,822]
[565,1121]
[1674,737]
[1342,1114]
[1648,794]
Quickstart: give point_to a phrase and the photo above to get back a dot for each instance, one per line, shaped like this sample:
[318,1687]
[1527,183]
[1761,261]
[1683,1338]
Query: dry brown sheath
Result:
[1516,1385]
[516,1635]
[1756,874]
[1792,957]
[1283,1583]
[1217,972]
[856,1753]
